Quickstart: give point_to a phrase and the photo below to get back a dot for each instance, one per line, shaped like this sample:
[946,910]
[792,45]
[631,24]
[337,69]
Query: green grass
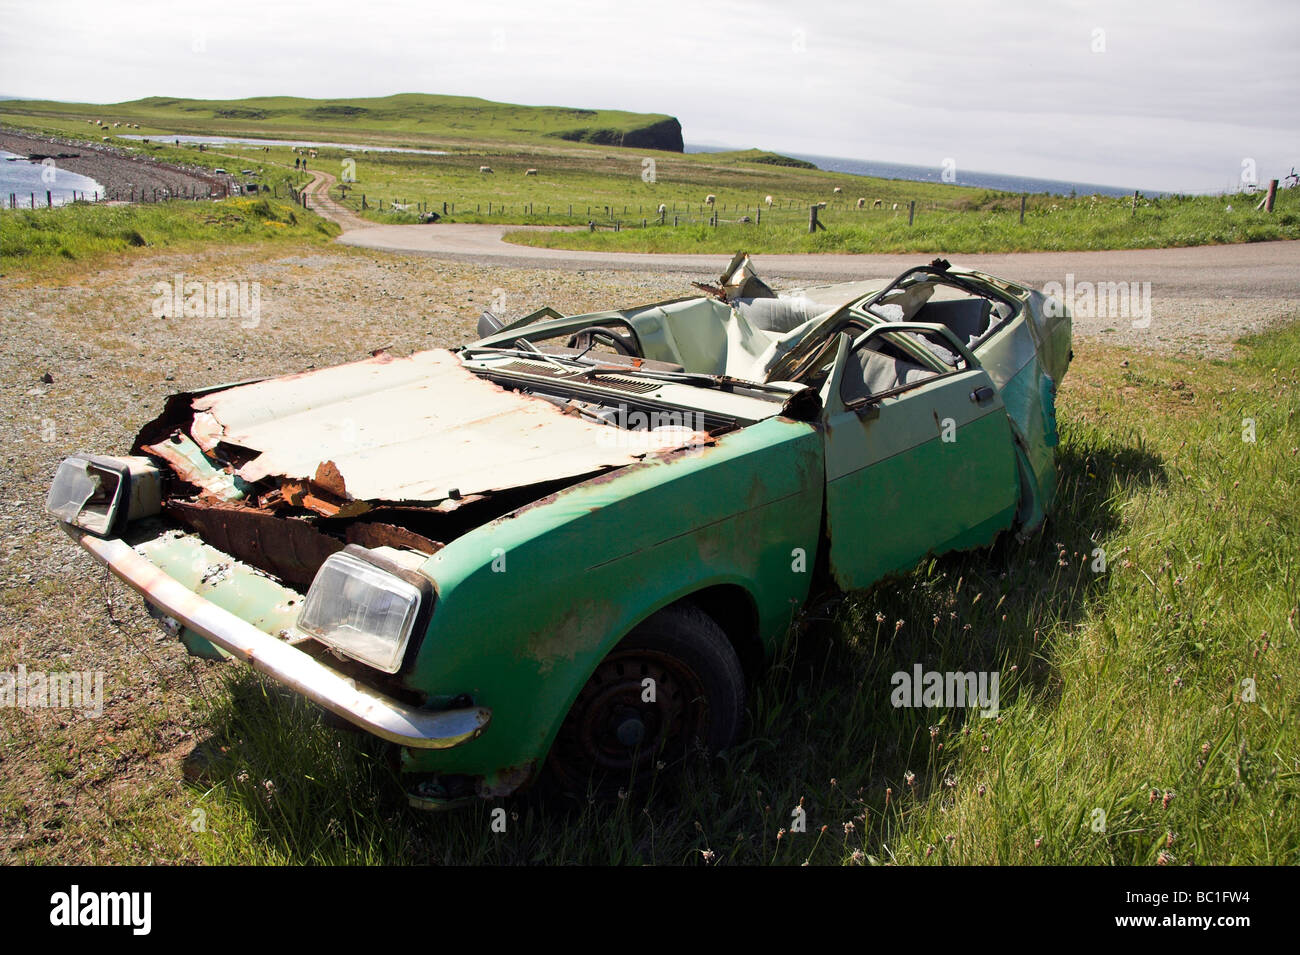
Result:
[42,242]
[408,119]
[1122,690]
[988,225]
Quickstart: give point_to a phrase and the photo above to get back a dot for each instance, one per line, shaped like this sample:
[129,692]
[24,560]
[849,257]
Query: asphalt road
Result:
[1256,270]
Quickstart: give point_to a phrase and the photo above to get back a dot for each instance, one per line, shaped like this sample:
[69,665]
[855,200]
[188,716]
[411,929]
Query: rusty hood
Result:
[419,429]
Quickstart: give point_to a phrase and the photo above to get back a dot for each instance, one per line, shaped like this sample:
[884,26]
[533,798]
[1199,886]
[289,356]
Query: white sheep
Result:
[895,206]
[838,190]
[862,203]
[877,205]
[768,200]
[710,199]
[484,168]
[662,208]
[530,172]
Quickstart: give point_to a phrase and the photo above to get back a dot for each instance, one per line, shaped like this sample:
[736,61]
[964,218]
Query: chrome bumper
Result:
[378,714]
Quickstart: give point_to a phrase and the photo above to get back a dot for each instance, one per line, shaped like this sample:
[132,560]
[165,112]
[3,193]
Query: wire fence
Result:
[618,216]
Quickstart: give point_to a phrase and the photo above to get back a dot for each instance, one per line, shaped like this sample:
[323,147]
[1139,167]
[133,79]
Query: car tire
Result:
[622,730]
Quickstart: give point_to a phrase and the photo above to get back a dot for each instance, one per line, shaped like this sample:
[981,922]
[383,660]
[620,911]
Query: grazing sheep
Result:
[877,205]
[530,172]
[484,168]
[746,219]
[821,205]
[838,190]
[862,203]
[710,199]
[663,209]
[895,206]
[768,200]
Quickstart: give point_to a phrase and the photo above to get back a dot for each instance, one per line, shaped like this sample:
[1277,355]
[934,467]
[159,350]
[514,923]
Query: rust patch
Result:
[307,495]
[329,479]
[378,534]
[290,549]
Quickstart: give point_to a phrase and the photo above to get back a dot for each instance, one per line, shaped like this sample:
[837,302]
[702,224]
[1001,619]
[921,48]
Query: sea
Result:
[23,179]
[964,177]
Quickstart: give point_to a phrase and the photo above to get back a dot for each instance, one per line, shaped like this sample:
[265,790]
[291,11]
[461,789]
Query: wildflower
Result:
[1155,794]
[909,777]
[981,789]
[780,834]
[880,617]
[848,827]
[707,855]
[1164,859]
[929,851]
[858,856]
[898,625]
[1166,800]
[1038,843]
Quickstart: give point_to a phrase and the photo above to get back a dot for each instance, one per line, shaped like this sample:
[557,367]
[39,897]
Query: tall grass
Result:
[1126,733]
[34,241]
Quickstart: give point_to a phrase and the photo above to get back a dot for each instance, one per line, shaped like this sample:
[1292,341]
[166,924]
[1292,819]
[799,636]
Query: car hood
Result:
[420,429]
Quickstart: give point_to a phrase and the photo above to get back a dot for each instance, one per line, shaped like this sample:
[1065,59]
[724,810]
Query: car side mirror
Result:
[489,324]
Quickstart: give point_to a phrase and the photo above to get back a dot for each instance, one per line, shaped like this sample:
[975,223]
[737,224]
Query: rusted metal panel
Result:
[420,428]
[291,549]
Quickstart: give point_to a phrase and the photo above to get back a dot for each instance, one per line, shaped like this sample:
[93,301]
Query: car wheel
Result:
[672,686]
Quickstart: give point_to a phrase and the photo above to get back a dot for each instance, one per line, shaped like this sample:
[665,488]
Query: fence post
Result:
[813,224]
[1272,194]
[49,200]
[1134,210]
[1022,209]
[911,211]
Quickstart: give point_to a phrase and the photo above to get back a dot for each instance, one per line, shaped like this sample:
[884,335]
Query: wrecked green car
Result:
[569,545]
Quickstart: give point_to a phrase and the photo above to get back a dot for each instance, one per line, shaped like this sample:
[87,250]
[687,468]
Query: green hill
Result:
[413,119]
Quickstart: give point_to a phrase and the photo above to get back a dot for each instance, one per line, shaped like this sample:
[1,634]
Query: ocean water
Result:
[965,177]
[18,175]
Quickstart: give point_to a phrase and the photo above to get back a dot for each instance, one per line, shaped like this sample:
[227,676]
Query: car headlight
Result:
[365,604]
[101,494]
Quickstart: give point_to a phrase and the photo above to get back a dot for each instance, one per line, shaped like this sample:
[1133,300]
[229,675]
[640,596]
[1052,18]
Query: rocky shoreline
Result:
[123,174]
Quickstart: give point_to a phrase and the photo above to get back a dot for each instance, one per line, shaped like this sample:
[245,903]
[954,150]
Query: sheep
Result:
[746,219]
[663,209]
[821,205]
[838,190]
[484,168]
[895,206]
[862,203]
[768,200]
[877,205]
[530,172]
[710,199]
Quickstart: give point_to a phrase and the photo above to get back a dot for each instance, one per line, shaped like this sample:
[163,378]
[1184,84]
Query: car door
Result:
[919,452]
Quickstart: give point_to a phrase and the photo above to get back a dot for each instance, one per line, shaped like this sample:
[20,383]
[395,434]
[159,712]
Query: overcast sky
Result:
[1158,94]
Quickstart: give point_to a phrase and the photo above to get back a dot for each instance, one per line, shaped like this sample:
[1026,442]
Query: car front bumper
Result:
[373,712]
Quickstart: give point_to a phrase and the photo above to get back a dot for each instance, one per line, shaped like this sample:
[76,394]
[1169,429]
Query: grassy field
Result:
[621,189]
[1123,689]
[407,119]
[990,223]
[44,243]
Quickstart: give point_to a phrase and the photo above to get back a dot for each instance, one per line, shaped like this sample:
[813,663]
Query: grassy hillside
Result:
[417,119]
